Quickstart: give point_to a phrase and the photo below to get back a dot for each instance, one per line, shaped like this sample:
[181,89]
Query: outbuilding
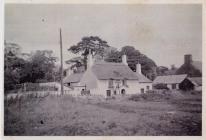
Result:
[175,82]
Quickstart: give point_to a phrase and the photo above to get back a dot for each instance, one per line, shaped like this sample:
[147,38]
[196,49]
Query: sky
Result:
[165,33]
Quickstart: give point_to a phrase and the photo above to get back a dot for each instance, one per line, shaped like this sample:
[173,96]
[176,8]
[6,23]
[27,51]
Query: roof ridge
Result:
[172,75]
[108,63]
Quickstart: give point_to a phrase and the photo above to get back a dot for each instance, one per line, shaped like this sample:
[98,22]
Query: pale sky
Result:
[162,32]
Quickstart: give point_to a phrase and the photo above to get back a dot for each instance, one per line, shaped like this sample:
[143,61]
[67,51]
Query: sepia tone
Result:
[103,70]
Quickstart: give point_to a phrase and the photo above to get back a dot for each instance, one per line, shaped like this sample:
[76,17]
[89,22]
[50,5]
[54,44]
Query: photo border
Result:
[103,2]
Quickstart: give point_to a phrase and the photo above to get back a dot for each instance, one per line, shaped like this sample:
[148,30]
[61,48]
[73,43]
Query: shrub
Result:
[150,97]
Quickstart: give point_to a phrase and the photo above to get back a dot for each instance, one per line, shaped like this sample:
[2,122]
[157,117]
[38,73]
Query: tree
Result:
[41,66]
[38,66]
[93,43]
[13,65]
[133,57]
[161,70]
[75,62]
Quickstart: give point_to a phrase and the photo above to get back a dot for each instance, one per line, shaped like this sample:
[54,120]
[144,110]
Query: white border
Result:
[105,2]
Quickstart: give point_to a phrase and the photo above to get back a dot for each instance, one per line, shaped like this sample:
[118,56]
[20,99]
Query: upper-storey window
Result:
[111,82]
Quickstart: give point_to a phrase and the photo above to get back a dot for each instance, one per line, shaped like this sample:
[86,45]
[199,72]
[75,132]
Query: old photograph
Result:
[103,70]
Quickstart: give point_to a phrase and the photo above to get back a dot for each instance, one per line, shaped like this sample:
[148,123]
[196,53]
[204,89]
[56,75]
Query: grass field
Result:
[144,115]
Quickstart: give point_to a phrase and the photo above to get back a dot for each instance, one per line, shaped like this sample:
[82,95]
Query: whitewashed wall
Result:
[144,85]
[102,87]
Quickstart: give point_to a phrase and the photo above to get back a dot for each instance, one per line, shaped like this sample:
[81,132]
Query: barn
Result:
[175,82]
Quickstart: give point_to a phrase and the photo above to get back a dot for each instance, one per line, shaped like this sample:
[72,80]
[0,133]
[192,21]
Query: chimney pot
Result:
[124,59]
[69,72]
[89,60]
[138,68]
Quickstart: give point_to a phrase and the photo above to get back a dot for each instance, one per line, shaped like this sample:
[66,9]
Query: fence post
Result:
[7,108]
[19,103]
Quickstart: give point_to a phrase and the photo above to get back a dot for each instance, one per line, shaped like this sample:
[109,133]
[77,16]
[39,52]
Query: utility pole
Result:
[62,87]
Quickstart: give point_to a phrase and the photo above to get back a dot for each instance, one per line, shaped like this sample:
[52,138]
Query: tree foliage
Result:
[39,67]
[93,43]
[133,57]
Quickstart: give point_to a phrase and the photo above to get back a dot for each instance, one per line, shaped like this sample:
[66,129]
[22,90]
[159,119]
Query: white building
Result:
[107,79]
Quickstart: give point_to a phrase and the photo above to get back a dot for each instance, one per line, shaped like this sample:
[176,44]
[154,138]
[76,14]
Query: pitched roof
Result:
[108,70]
[197,65]
[170,79]
[73,78]
[196,80]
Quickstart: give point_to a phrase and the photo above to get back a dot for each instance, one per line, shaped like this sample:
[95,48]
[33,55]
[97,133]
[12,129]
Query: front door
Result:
[123,92]
[142,90]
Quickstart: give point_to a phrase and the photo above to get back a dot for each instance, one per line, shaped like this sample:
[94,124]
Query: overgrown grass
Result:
[151,97]
[173,113]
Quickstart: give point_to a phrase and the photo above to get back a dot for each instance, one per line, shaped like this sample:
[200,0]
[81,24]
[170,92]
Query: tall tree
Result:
[42,65]
[93,43]
[133,57]
[13,65]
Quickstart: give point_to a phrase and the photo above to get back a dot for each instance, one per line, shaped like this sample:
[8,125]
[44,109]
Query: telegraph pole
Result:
[62,87]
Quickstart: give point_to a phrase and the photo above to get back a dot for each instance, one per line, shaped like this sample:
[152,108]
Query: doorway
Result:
[123,92]
[142,90]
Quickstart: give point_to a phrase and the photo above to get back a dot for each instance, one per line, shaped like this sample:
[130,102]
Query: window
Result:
[110,83]
[147,87]
[115,92]
[142,90]
[124,82]
[173,86]
[108,93]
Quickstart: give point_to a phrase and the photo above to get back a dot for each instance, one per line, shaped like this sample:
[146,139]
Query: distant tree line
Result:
[38,66]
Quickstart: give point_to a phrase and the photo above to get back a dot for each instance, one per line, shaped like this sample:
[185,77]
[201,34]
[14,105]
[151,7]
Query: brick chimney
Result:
[188,59]
[138,68]
[124,59]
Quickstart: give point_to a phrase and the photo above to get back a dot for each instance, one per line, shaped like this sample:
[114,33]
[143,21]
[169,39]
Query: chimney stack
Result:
[124,59]
[138,68]
[69,72]
[188,59]
[89,60]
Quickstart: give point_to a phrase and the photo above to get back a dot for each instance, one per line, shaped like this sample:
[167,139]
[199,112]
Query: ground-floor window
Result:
[142,90]
[148,88]
[108,92]
[173,86]
[115,92]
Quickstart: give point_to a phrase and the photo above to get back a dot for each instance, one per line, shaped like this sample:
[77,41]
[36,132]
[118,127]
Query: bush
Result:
[150,97]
